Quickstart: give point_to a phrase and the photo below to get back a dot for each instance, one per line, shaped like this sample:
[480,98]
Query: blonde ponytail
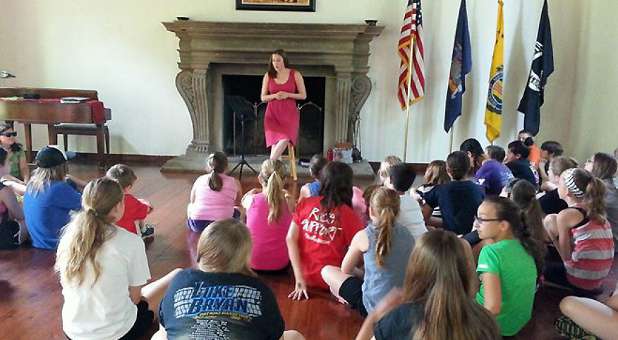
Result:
[275,197]
[385,205]
[272,174]
[89,228]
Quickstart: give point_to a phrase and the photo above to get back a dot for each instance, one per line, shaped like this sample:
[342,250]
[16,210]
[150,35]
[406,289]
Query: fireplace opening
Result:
[311,130]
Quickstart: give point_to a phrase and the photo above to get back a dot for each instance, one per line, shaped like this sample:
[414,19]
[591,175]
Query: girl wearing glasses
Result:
[581,234]
[508,267]
[16,160]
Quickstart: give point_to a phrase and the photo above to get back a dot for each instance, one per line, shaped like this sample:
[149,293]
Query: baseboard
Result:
[115,158]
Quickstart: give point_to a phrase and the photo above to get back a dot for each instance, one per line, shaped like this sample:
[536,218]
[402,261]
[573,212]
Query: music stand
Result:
[245,111]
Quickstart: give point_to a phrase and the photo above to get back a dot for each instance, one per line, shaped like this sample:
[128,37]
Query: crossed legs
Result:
[593,316]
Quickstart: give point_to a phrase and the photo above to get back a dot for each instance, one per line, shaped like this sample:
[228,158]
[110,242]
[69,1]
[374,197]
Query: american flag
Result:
[411,46]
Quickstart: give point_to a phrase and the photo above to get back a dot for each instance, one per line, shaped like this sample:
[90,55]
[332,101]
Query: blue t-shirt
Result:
[201,305]
[493,176]
[458,201]
[47,212]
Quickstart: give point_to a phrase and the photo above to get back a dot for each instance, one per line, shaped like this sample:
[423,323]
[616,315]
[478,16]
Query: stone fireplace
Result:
[209,51]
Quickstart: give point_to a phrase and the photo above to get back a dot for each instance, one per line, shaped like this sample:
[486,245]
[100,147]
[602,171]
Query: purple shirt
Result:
[493,176]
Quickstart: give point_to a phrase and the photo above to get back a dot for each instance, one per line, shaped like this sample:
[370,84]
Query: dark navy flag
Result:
[461,65]
[542,67]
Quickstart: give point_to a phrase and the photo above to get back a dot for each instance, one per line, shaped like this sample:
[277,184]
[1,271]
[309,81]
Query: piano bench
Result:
[66,129]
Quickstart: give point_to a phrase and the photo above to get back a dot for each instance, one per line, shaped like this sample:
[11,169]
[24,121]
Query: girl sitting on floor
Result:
[435,302]
[18,167]
[388,161]
[322,229]
[549,150]
[550,201]
[50,197]
[223,294]
[313,189]
[435,175]
[384,247]
[603,166]
[476,154]
[214,195]
[12,228]
[581,234]
[509,266]
[517,161]
[104,267]
[316,164]
[268,217]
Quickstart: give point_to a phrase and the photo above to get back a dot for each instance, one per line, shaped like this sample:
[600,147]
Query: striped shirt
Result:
[592,256]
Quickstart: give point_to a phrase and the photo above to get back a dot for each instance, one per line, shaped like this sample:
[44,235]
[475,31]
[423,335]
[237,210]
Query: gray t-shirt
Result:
[379,281]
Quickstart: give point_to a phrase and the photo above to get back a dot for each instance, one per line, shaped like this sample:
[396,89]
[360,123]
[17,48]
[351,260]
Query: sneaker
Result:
[567,328]
[148,231]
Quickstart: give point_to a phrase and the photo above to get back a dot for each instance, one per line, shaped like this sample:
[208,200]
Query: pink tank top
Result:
[210,205]
[270,251]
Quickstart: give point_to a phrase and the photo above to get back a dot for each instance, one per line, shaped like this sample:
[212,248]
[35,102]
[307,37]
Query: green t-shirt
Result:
[13,160]
[517,272]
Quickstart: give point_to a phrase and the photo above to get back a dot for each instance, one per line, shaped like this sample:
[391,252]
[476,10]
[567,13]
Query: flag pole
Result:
[450,137]
[405,143]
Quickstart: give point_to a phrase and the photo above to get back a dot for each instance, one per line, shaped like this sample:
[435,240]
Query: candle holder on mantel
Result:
[371,22]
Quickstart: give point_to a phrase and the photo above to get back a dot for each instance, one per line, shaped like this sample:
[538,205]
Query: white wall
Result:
[121,49]
[595,109]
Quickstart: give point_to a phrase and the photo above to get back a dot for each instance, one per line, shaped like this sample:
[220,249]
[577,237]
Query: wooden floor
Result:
[30,298]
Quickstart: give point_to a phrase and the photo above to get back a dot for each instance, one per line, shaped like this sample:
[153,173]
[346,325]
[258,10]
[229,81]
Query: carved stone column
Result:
[361,88]
[192,88]
[342,108]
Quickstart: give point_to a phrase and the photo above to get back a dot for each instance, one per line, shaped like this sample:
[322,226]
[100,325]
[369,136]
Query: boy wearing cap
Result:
[49,199]
[135,209]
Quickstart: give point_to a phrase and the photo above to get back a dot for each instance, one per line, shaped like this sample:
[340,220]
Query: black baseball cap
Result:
[49,157]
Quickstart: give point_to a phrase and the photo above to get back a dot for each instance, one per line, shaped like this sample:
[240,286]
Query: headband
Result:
[569,181]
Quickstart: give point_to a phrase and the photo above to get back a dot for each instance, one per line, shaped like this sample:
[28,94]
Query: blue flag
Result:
[460,66]
[542,67]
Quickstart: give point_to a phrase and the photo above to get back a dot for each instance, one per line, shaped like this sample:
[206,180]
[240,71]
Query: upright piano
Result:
[44,106]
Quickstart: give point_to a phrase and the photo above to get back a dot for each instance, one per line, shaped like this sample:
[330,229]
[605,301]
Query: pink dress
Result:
[269,252]
[282,118]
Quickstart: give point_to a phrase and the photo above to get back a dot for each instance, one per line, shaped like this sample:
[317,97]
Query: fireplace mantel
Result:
[339,52]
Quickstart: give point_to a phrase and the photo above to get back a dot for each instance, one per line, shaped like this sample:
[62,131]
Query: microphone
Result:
[6,74]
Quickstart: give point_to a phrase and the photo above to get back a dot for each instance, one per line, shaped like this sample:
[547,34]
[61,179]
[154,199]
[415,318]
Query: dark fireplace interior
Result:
[311,131]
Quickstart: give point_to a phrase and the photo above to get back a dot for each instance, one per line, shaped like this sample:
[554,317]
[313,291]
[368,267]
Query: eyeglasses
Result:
[479,220]
[9,134]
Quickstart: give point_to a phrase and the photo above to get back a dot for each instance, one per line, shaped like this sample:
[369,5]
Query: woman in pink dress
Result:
[281,87]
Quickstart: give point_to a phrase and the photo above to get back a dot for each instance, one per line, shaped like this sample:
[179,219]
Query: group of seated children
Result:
[409,260]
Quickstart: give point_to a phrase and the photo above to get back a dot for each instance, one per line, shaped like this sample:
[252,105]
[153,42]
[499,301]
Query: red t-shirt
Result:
[323,237]
[134,210]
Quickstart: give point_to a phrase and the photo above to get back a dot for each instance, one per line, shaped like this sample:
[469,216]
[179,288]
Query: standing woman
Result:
[281,87]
